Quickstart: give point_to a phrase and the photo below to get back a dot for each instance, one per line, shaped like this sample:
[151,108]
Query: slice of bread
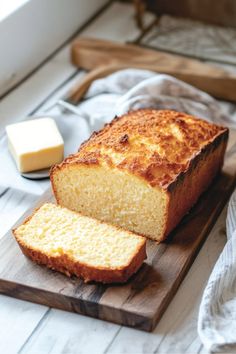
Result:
[78,245]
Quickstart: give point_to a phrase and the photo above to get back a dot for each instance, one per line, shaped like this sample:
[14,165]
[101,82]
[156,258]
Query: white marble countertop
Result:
[30,328]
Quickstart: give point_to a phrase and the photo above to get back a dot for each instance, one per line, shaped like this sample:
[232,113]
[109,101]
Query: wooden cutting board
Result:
[101,58]
[140,302]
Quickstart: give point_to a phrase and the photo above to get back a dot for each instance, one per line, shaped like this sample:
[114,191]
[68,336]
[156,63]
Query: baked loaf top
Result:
[157,145]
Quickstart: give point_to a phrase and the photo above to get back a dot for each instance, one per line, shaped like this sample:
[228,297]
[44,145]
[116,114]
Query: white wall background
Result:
[35,30]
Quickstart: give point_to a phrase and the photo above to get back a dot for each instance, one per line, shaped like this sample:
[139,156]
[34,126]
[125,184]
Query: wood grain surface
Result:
[105,57]
[142,300]
[221,12]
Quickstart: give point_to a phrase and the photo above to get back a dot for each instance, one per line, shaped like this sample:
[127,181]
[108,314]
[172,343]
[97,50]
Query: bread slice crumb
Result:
[74,244]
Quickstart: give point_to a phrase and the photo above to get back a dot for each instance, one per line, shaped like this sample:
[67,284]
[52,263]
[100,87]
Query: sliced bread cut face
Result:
[77,245]
[143,171]
[113,196]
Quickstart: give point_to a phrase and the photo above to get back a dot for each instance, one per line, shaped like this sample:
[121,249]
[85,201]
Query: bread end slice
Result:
[78,245]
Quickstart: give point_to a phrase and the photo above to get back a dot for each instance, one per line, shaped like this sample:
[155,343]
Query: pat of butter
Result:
[35,144]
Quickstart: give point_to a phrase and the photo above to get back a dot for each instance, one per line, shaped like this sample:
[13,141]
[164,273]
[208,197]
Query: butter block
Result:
[35,144]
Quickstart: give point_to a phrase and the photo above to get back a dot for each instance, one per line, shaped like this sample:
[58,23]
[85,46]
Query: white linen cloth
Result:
[132,89]
[217,315]
[114,95]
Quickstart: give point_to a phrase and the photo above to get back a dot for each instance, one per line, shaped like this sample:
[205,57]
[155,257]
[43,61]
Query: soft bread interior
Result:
[113,196]
[56,232]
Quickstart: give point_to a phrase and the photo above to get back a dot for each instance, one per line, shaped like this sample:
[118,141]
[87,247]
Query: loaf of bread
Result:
[143,171]
[74,244]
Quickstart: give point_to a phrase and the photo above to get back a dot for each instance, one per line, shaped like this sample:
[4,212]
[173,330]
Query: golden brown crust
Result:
[158,146]
[185,191]
[64,264]
[68,267]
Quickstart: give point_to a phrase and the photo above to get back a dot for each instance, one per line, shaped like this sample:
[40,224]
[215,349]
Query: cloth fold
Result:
[217,314]
[114,95]
[117,94]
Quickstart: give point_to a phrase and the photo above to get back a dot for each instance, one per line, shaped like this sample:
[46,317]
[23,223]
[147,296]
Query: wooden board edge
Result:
[76,305]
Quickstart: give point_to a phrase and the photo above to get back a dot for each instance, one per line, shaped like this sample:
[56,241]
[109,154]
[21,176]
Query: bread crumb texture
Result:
[56,232]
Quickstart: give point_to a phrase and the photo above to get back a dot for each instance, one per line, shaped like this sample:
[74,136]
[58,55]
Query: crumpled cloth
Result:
[132,89]
[217,314]
[113,95]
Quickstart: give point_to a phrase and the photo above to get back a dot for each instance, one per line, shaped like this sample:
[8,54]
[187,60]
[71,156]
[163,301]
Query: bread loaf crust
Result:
[167,150]
[130,137]
[64,265]
[191,184]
